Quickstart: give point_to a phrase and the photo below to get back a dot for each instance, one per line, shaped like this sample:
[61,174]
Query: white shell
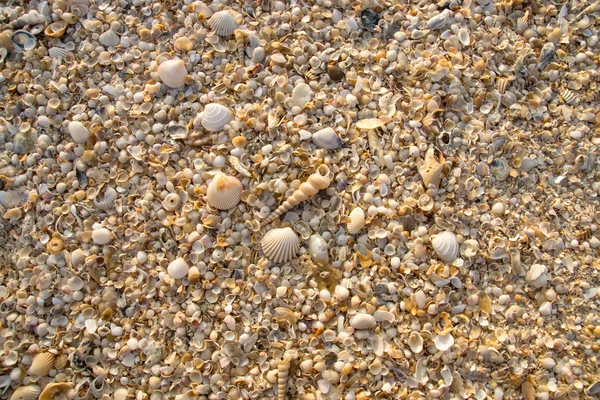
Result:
[178,268]
[357,220]
[105,201]
[223,23]
[537,276]
[415,341]
[443,342]
[215,117]
[224,192]
[463,36]
[78,132]
[327,139]
[362,321]
[29,392]
[369,123]
[109,38]
[446,246]
[317,249]
[57,52]
[172,73]
[41,364]
[280,245]
[171,202]
[101,236]
[301,95]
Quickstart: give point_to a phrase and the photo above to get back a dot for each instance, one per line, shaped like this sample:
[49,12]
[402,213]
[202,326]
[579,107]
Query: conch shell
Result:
[431,168]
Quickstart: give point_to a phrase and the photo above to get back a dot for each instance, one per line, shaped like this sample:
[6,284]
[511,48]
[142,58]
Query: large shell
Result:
[172,73]
[41,364]
[52,390]
[215,117]
[223,23]
[224,192]
[446,246]
[23,41]
[357,220]
[29,392]
[280,245]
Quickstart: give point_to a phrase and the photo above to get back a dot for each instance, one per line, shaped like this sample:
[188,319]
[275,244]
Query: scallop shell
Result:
[568,96]
[223,23]
[369,123]
[357,220]
[215,117]
[53,389]
[29,392]
[41,364]
[57,52]
[172,73]
[224,192]
[281,244]
[446,246]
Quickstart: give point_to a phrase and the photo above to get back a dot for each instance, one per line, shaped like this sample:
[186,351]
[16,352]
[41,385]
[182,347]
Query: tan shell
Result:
[53,389]
[224,192]
[172,73]
[280,245]
[357,220]
[29,392]
[41,364]
[431,168]
[56,29]
[223,23]
[369,123]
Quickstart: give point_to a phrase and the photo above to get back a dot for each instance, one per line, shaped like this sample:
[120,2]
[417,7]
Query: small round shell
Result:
[223,23]
[215,117]
[357,220]
[224,192]
[29,392]
[172,73]
[41,364]
[171,202]
[446,246]
[280,245]
[178,268]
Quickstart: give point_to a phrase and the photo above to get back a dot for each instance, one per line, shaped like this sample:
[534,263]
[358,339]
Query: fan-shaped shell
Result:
[29,392]
[215,117]
[281,244]
[357,220]
[41,364]
[53,389]
[446,246]
[223,23]
[224,192]
[172,73]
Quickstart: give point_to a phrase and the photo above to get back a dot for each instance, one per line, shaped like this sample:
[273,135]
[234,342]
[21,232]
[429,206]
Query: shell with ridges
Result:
[356,220]
[42,364]
[223,23]
[224,192]
[446,246]
[215,117]
[29,392]
[52,389]
[280,245]
[107,200]
[283,370]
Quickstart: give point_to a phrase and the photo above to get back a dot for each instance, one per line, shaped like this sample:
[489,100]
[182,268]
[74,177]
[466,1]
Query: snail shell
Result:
[280,245]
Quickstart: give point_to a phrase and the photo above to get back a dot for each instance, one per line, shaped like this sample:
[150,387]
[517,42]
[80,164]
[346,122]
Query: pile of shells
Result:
[326,199]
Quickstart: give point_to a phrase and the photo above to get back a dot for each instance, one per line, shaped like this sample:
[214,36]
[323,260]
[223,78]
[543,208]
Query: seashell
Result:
[537,276]
[523,22]
[29,392]
[593,389]
[315,182]
[110,39]
[446,246]
[283,370]
[41,364]
[54,389]
[177,131]
[463,36]
[568,96]
[301,96]
[98,387]
[107,200]
[469,248]
[425,202]
[171,202]
[215,117]
[546,55]
[79,132]
[280,245]
[370,123]
[500,168]
[356,220]
[362,321]
[193,275]
[172,73]
[57,52]
[431,168]
[444,341]
[327,139]
[56,29]
[503,83]
[223,23]
[439,21]
[415,342]
[335,73]
[178,268]
[224,192]
[101,236]
[23,41]
[317,250]
[236,354]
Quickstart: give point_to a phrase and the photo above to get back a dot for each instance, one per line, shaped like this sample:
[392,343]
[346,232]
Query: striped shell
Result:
[523,22]
[57,52]
[357,220]
[280,245]
[52,390]
[224,192]
[446,246]
[223,23]
[215,117]
[568,96]
[105,201]
[29,392]
[41,364]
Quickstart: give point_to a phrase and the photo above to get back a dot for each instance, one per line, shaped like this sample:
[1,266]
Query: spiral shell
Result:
[280,245]
[171,202]
[215,117]
[107,200]
[29,392]
[41,364]
[446,246]
[223,23]
[283,370]
[224,192]
[315,182]
[356,220]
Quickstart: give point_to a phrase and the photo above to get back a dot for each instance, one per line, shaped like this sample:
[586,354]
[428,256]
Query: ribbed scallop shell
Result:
[107,200]
[223,23]
[357,220]
[446,246]
[42,364]
[215,117]
[29,392]
[280,245]
[224,192]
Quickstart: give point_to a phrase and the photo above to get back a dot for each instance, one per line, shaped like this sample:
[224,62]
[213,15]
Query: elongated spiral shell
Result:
[283,371]
[223,23]
[314,183]
[446,246]
[280,245]
[215,117]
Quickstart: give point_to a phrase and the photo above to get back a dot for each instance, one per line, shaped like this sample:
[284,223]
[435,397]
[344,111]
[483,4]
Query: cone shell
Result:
[215,117]
[172,73]
[29,392]
[280,245]
[223,23]
[357,220]
[446,246]
[224,192]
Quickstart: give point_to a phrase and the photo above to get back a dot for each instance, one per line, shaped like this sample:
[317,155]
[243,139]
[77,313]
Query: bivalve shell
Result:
[444,342]
[327,139]
[178,268]
[56,29]
[280,245]
[78,132]
[537,276]
[172,73]
[362,321]
[223,23]
[29,392]
[215,117]
[415,342]
[224,192]
[446,246]
[101,236]
[369,123]
[41,364]
[357,220]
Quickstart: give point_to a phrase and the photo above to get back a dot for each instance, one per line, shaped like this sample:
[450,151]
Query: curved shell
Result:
[215,117]
[29,392]
[41,364]
[444,342]
[56,29]
[327,139]
[223,23]
[171,202]
[357,220]
[23,40]
[53,389]
[415,342]
[317,249]
[446,246]
[500,168]
[431,168]
[280,245]
[107,200]
[178,268]
[172,73]
[224,192]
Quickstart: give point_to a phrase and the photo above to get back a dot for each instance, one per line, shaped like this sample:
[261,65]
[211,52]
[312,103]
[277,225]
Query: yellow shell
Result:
[224,192]
[52,389]
[56,29]
[41,364]
[29,392]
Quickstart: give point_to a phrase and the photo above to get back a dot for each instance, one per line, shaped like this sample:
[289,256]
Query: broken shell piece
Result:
[446,246]
[41,364]
[327,139]
[500,168]
[415,342]
[223,23]
[172,73]
[105,201]
[29,392]
[431,168]
[178,268]
[362,321]
[357,220]
[171,202]
[224,192]
[215,117]
[369,123]
[54,389]
[537,276]
[236,354]
[301,95]
[317,249]
[23,41]
[280,245]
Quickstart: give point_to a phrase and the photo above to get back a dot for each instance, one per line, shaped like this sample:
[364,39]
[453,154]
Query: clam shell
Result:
[357,220]
[444,342]
[215,117]
[224,192]
[223,23]
[56,29]
[327,139]
[369,123]
[178,268]
[41,364]
[415,341]
[446,246]
[172,73]
[52,389]
[29,392]
[23,40]
[280,245]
